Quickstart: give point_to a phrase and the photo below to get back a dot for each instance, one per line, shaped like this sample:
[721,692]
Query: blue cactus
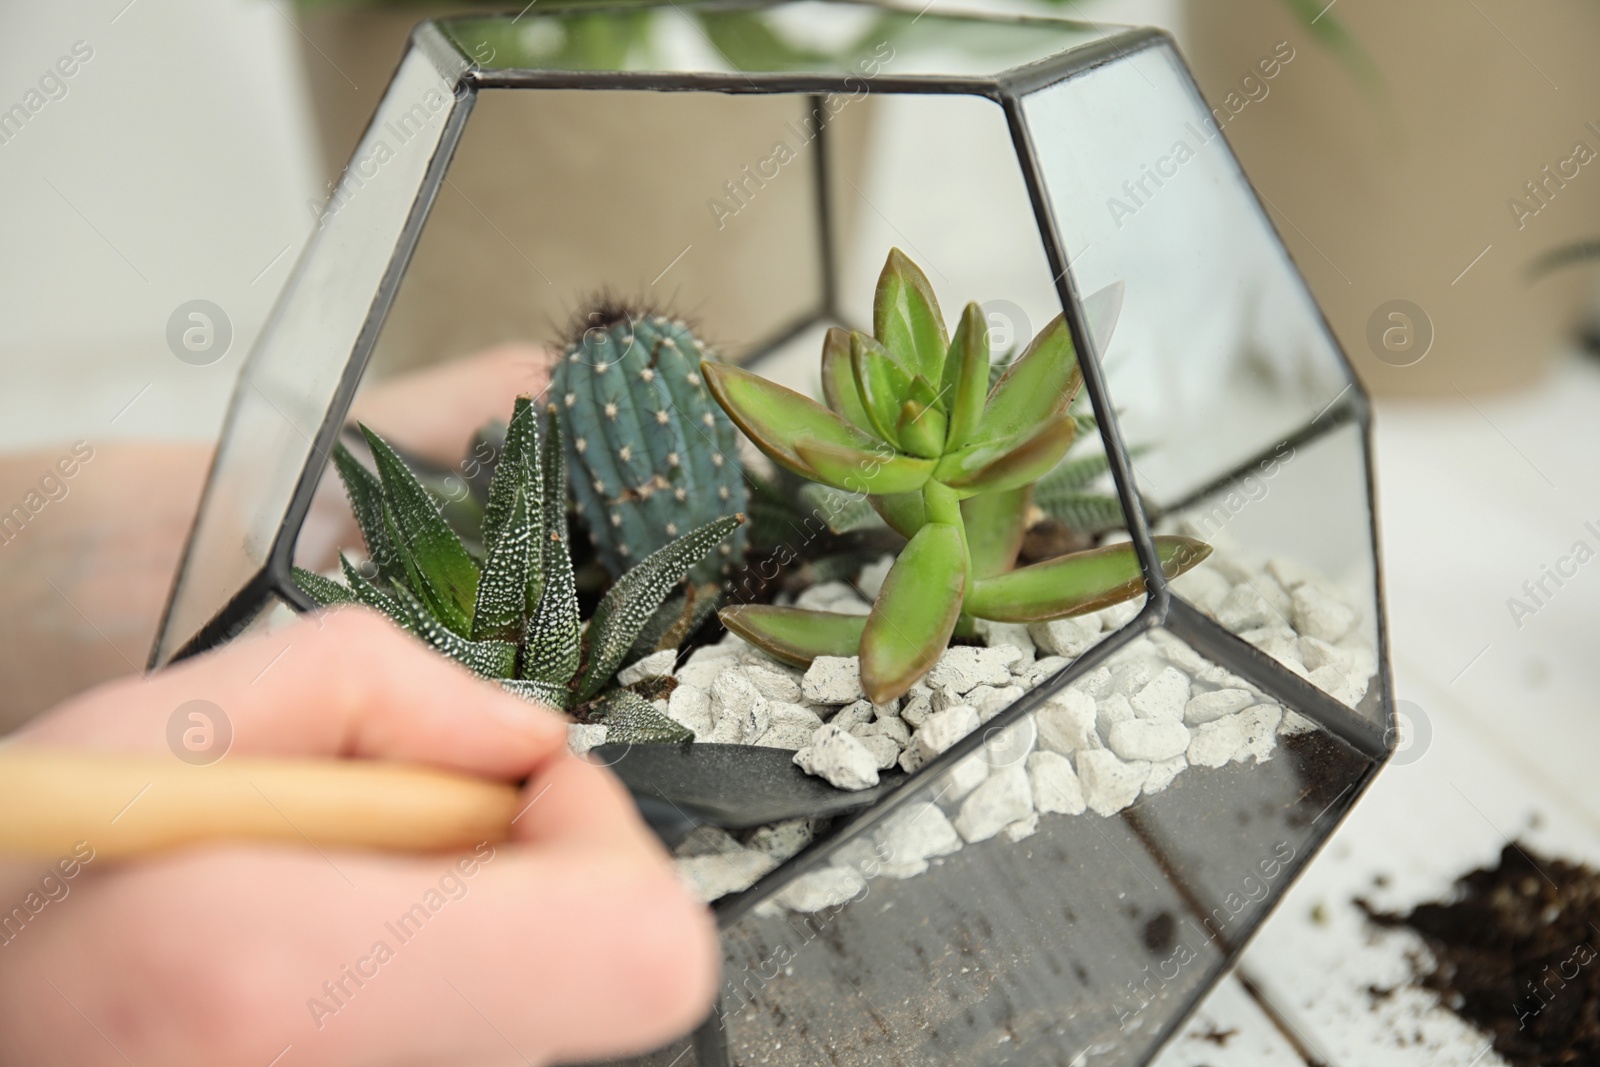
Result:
[652,455]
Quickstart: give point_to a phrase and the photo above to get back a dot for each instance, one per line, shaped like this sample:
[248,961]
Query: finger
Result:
[434,412]
[340,683]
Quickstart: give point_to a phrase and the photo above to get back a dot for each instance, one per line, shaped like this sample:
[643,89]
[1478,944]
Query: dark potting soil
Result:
[1515,956]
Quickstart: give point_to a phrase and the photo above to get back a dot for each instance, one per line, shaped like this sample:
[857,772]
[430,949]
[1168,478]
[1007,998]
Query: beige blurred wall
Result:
[1392,193]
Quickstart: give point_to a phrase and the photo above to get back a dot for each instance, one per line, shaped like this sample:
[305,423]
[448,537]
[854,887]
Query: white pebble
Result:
[1163,697]
[1321,616]
[716,875]
[995,634]
[1056,789]
[870,581]
[942,730]
[1010,745]
[1002,799]
[1148,739]
[852,715]
[1295,723]
[1245,609]
[1119,615]
[1097,683]
[1130,677]
[1109,785]
[1110,711]
[883,749]
[825,888]
[963,667]
[740,712]
[1215,741]
[890,726]
[774,684]
[691,708]
[655,665]
[1315,653]
[1203,587]
[1209,707]
[1036,672]
[581,736]
[1070,637]
[946,697]
[1066,723]
[1260,726]
[916,709]
[961,779]
[1337,683]
[832,680]
[1022,828]
[840,758]
[833,596]
[782,840]
[995,701]
[790,726]
[916,832]
[1163,772]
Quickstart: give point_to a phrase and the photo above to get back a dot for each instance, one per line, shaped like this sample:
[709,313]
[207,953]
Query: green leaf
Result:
[795,635]
[489,659]
[556,696]
[995,524]
[630,719]
[774,417]
[921,429]
[1077,583]
[373,597]
[678,616]
[904,512]
[915,612]
[554,641]
[881,382]
[840,511]
[322,591]
[630,603]
[501,612]
[839,380]
[906,317]
[521,444]
[436,562]
[859,471]
[966,376]
[993,468]
[1040,384]
[366,502]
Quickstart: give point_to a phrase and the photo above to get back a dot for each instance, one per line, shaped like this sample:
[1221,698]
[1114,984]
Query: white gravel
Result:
[832,680]
[655,665]
[1109,784]
[1001,800]
[581,737]
[1056,789]
[839,756]
[1146,739]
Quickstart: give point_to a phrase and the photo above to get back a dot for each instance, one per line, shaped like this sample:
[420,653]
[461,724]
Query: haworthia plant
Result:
[652,455]
[950,461]
[511,614]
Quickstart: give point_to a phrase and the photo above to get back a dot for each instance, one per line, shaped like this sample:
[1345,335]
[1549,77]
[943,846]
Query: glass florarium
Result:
[951,430]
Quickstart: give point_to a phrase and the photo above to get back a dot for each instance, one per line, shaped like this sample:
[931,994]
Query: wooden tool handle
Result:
[135,804]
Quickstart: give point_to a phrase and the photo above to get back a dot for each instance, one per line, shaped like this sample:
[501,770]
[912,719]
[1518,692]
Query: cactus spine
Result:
[652,455]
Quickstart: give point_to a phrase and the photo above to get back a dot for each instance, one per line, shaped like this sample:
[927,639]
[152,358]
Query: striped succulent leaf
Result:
[630,719]
[554,630]
[628,606]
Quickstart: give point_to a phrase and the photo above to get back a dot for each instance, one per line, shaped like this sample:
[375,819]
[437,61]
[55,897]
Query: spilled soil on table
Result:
[1516,953]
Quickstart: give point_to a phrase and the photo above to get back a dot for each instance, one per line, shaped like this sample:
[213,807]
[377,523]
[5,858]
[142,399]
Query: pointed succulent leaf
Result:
[904,512]
[915,612]
[906,317]
[1023,461]
[774,417]
[882,383]
[1077,583]
[1041,383]
[966,376]
[923,392]
[554,642]
[795,635]
[839,380]
[630,719]
[863,471]
[520,442]
[489,659]
[549,693]
[995,524]
[678,616]
[369,594]
[440,607]
[322,591]
[1102,309]
[430,547]
[501,610]
[634,598]
[921,429]
[365,491]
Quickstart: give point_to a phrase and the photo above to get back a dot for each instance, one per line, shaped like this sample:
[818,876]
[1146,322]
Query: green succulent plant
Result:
[950,463]
[510,613]
[651,454]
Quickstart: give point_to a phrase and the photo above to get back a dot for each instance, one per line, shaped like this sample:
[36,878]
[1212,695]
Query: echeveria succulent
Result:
[511,613]
[950,462]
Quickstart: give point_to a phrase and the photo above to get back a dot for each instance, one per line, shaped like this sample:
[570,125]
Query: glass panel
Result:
[799,38]
[995,919]
[1292,565]
[289,382]
[1221,353]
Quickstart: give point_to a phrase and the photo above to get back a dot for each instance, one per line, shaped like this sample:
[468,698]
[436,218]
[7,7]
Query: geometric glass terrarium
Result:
[1035,163]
